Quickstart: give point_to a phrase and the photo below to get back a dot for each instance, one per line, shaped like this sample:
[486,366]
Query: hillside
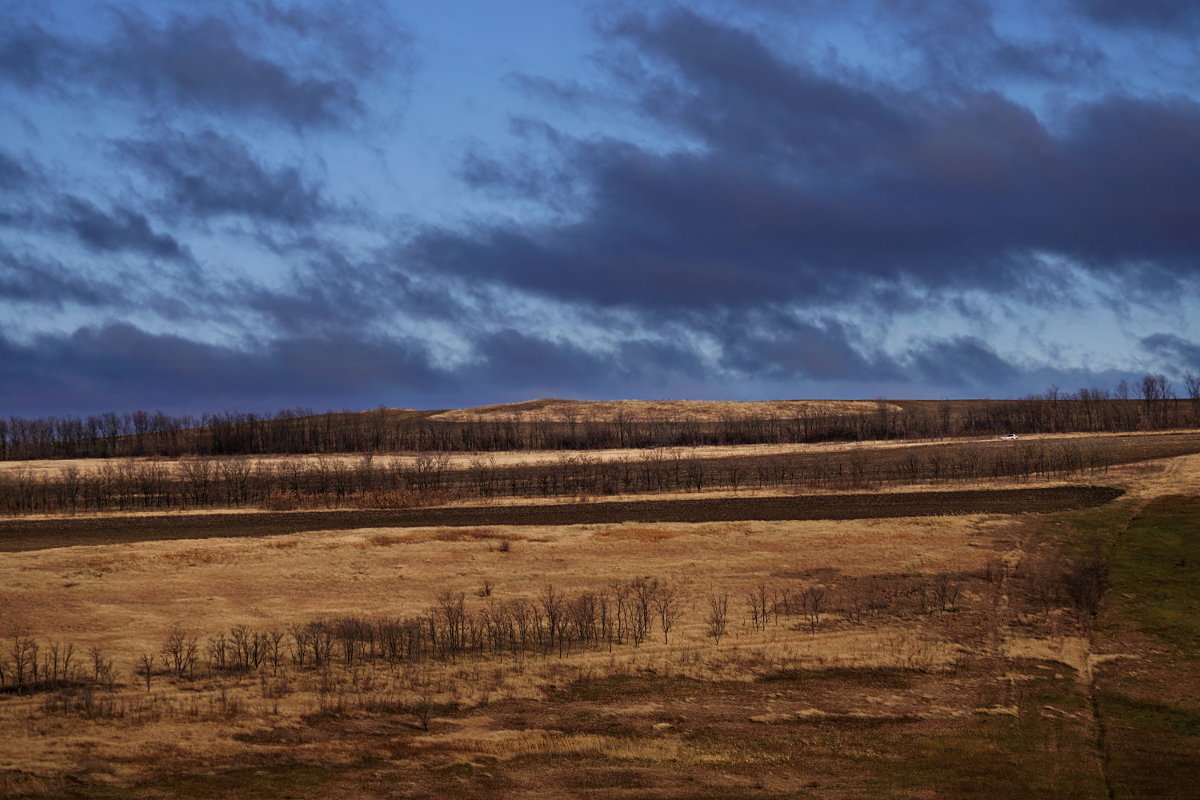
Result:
[559,410]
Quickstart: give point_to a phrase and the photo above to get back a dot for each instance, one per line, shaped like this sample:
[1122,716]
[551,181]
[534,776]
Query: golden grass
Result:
[557,410]
[131,593]
[634,533]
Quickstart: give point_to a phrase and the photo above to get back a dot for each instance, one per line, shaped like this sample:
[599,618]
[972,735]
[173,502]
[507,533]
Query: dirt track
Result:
[67,532]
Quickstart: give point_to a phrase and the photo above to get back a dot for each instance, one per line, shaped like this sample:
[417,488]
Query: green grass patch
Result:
[1149,700]
[1156,572]
[1040,753]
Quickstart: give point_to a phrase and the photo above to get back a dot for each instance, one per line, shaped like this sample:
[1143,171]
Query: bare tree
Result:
[23,651]
[179,652]
[718,615]
[552,605]
[644,594]
[814,604]
[669,608]
[423,706]
[1191,382]
[758,603]
[945,591]
[145,668]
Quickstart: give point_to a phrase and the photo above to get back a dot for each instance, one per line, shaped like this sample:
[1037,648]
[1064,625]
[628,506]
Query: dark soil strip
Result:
[66,532]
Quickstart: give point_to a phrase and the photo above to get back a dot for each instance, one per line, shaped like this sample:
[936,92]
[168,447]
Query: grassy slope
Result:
[1150,703]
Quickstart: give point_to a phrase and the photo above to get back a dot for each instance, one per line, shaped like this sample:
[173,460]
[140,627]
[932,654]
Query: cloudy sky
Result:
[259,204]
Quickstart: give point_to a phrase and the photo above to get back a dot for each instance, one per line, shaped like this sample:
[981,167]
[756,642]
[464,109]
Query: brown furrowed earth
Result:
[20,535]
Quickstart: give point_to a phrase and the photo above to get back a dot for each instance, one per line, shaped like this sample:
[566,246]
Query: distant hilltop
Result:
[559,410]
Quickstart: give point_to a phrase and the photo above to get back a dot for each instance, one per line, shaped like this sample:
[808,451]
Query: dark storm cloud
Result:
[962,361]
[960,45]
[512,358]
[782,347]
[750,101]
[556,185]
[29,56]
[363,37]
[202,62]
[1183,354]
[1166,16]
[521,178]
[814,188]
[522,365]
[122,229]
[29,279]
[332,287]
[305,67]
[13,174]
[210,174]
[120,366]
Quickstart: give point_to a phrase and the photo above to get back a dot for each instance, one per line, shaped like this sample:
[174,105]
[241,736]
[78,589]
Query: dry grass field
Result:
[557,410]
[939,657]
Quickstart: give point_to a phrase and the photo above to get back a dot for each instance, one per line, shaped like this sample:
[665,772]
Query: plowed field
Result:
[21,535]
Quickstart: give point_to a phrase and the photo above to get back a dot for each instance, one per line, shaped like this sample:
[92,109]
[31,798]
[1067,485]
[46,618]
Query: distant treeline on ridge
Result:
[1153,406]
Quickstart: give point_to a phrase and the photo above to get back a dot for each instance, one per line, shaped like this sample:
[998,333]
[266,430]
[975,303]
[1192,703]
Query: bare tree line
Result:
[383,483]
[1151,404]
[554,623]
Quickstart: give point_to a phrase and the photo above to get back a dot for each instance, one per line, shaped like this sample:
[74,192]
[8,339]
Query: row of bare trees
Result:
[1153,403]
[396,483]
[766,604]
[555,622]
[28,665]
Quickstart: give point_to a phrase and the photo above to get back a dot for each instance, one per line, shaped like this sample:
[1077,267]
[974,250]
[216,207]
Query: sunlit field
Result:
[857,658]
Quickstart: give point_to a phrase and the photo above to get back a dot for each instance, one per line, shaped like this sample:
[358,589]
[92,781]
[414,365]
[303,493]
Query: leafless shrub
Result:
[945,591]
[179,652]
[758,606]
[644,593]
[669,607]
[718,615]
[814,605]
[145,668]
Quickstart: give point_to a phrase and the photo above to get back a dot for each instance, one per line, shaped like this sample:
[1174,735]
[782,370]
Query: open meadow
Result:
[892,641]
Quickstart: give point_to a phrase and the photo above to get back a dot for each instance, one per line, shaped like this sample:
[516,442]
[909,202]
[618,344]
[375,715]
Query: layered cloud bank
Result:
[346,204]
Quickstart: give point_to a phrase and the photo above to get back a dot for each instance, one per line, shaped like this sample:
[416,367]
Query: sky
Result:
[258,204]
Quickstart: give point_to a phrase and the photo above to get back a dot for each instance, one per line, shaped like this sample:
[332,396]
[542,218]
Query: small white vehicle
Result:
[1009,437]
